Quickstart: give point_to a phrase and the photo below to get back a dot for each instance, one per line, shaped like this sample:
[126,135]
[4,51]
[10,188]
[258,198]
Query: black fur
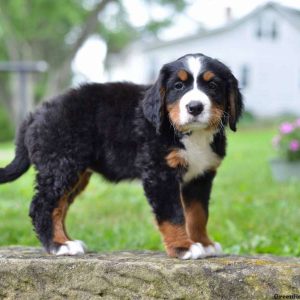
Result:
[199,189]
[120,130]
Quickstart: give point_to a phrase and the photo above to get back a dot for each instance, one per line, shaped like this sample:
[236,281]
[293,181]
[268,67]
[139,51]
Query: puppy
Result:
[170,135]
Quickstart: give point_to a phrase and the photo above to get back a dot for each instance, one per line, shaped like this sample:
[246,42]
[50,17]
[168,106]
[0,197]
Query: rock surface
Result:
[29,273]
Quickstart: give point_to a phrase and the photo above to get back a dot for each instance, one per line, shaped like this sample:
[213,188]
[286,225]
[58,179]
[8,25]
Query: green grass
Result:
[249,212]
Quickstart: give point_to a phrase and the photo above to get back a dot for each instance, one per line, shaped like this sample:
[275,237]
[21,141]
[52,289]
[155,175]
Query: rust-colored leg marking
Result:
[175,238]
[59,213]
[80,186]
[58,217]
[196,221]
[175,159]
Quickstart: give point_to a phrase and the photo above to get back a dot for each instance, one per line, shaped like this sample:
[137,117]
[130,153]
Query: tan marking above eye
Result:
[208,75]
[182,75]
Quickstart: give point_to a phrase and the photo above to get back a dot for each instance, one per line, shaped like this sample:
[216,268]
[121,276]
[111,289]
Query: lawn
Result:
[250,213]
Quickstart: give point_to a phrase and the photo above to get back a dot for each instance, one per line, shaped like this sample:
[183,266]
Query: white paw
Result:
[214,249]
[71,248]
[195,251]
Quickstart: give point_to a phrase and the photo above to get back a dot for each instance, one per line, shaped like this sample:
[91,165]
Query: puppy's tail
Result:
[21,162]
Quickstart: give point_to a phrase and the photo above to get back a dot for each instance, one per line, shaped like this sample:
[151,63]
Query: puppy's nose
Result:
[195,108]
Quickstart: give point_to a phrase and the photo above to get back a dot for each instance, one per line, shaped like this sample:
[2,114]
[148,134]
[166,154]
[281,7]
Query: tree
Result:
[53,31]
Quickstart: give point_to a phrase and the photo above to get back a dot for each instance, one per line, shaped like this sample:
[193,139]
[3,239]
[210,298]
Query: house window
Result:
[259,29]
[274,30]
[244,78]
[266,29]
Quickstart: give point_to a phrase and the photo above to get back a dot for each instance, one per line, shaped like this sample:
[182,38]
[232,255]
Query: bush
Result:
[287,142]
[248,118]
[6,128]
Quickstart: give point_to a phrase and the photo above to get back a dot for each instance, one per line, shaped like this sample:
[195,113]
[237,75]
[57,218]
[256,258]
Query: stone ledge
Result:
[29,273]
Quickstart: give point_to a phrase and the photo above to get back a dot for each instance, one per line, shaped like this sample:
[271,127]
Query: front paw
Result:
[187,250]
[69,248]
[197,250]
[213,249]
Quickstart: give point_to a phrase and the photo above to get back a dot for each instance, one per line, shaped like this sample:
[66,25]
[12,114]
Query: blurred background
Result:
[47,46]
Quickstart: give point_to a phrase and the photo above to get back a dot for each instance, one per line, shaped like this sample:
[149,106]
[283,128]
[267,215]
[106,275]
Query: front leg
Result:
[163,193]
[195,197]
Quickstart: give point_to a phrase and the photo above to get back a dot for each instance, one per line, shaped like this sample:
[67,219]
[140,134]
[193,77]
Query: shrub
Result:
[287,142]
[6,127]
[248,117]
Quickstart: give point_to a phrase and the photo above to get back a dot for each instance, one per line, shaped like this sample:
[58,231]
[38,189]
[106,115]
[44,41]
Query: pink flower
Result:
[286,128]
[297,123]
[294,145]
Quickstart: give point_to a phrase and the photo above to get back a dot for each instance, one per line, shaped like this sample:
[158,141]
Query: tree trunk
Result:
[22,88]
[58,80]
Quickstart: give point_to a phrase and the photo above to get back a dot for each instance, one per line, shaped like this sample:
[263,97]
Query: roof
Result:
[290,14]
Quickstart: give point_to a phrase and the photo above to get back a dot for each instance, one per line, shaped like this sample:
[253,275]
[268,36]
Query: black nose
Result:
[195,108]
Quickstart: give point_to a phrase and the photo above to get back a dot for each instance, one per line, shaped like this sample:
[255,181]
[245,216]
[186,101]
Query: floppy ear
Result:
[153,103]
[235,103]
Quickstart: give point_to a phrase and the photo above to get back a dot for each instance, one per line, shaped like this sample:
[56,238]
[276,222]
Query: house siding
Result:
[273,85]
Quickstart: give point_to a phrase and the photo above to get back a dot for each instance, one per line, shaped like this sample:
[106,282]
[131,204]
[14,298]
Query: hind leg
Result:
[55,193]
[60,237]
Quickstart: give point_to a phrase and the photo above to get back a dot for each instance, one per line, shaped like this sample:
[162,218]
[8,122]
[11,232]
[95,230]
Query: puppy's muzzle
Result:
[195,108]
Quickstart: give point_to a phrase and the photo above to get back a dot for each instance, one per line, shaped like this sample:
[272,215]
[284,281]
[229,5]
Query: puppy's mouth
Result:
[195,120]
[194,124]
[200,120]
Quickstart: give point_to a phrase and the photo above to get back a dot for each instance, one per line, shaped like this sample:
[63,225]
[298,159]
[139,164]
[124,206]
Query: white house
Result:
[262,49]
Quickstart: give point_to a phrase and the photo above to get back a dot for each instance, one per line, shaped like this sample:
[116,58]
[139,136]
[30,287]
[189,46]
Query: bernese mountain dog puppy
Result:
[170,135]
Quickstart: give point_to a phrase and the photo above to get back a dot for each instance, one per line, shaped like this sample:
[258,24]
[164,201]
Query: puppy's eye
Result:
[212,85]
[179,85]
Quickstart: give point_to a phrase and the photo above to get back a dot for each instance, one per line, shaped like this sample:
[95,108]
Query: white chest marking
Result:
[198,154]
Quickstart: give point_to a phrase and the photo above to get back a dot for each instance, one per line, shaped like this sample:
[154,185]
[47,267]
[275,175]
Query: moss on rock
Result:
[29,273]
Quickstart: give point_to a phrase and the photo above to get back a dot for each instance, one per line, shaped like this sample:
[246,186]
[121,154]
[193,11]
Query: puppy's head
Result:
[194,92]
